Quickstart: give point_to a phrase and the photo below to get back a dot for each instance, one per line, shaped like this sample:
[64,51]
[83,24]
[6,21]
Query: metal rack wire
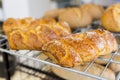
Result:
[36,73]
[39,57]
[23,68]
[36,57]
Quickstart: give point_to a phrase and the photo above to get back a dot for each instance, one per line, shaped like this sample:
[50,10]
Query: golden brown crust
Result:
[79,48]
[110,18]
[33,33]
[13,24]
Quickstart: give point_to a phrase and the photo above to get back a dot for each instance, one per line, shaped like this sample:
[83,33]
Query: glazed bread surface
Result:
[32,34]
[80,48]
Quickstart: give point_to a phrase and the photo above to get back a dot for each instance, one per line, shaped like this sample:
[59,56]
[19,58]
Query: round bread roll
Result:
[75,17]
[54,13]
[114,66]
[94,10]
[111,18]
[104,57]
[95,69]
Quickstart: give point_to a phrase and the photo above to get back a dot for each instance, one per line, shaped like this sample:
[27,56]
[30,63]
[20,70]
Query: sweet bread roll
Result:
[75,17]
[111,18]
[80,48]
[12,24]
[54,13]
[94,10]
[32,34]
[95,69]
[113,66]
[104,57]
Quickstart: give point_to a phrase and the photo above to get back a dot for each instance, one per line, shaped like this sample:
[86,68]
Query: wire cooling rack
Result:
[40,57]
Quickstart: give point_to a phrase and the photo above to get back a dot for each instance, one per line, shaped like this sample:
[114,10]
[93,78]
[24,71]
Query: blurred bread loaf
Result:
[113,66]
[111,18]
[54,13]
[76,17]
[94,10]
[95,69]
[104,57]
[81,16]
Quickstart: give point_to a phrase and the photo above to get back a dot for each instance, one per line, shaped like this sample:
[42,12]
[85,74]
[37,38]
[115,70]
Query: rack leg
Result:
[6,65]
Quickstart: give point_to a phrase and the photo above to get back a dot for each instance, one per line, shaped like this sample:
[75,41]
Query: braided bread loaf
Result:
[81,16]
[79,48]
[31,33]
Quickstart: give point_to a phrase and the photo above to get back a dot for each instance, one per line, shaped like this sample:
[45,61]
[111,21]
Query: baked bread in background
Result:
[32,34]
[113,66]
[95,69]
[98,61]
[76,17]
[111,18]
[94,10]
[54,13]
[80,48]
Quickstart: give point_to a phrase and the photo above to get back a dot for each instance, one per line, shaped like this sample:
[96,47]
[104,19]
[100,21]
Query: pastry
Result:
[32,34]
[80,48]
